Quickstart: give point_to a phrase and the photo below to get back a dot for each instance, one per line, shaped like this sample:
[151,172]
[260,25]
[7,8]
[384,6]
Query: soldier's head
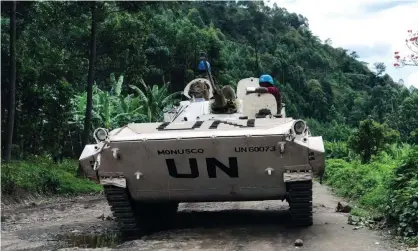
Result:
[199,89]
[266,79]
[228,92]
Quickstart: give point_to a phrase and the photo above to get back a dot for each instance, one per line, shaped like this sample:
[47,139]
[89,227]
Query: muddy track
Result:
[87,222]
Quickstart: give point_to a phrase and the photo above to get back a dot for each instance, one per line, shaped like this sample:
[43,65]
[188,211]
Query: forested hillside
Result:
[160,42]
[143,51]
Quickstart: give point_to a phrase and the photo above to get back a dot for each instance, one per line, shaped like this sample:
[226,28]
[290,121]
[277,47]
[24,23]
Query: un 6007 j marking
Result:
[251,149]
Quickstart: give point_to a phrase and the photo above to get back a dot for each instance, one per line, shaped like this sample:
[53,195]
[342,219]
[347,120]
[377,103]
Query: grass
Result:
[360,212]
[387,185]
[40,175]
[366,184]
[357,182]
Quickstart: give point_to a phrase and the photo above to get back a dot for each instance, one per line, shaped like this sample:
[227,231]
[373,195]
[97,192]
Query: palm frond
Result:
[118,88]
[141,94]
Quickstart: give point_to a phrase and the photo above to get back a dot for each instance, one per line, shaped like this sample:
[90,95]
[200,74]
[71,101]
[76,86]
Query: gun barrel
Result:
[208,72]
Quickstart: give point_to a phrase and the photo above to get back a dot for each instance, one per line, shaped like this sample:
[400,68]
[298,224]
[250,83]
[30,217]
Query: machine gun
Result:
[224,98]
[220,100]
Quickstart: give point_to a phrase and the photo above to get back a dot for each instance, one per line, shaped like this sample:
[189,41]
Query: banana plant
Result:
[110,108]
[154,100]
[78,103]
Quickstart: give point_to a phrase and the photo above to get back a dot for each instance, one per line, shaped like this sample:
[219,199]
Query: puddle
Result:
[109,240]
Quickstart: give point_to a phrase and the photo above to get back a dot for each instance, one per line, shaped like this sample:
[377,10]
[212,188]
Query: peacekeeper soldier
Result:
[199,90]
[267,86]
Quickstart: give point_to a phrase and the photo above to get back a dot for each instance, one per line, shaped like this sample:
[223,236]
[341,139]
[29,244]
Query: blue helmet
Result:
[266,79]
[202,66]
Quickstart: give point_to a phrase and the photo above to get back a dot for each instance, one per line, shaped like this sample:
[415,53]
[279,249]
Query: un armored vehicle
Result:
[219,145]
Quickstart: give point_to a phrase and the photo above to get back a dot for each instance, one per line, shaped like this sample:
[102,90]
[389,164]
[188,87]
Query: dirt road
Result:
[201,226]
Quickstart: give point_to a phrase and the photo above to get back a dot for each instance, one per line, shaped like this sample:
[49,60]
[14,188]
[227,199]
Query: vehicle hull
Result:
[204,169]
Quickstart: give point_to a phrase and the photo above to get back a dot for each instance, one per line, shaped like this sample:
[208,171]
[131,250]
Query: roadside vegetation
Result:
[41,176]
[71,67]
[378,174]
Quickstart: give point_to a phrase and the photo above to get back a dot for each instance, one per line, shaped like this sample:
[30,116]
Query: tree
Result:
[380,68]
[12,86]
[408,114]
[354,54]
[413,137]
[161,44]
[412,45]
[317,100]
[370,138]
[90,78]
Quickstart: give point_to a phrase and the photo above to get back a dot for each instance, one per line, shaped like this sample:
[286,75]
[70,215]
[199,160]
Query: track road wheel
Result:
[136,219]
[124,212]
[300,202]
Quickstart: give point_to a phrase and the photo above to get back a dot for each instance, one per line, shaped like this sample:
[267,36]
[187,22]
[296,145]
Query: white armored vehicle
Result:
[202,153]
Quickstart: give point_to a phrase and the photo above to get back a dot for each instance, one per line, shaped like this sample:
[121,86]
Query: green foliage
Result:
[370,138]
[331,131]
[154,100]
[358,181]
[112,109]
[403,199]
[357,211]
[160,43]
[39,175]
[337,150]
[413,137]
[366,183]
[387,185]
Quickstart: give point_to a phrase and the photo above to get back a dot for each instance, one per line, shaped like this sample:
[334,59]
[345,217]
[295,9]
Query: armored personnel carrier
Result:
[216,146]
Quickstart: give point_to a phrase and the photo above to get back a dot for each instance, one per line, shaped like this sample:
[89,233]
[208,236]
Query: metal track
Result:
[300,202]
[124,211]
[137,219]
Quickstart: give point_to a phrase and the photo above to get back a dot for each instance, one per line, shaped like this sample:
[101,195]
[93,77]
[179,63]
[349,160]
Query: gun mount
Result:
[237,104]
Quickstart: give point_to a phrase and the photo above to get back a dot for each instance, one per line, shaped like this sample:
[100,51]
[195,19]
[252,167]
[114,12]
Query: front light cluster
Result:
[299,126]
[100,134]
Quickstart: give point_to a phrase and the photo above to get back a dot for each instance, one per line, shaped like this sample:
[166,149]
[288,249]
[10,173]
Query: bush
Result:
[337,150]
[413,137]
[387,185]
[361,182]
[371,138]
[331,131]
[39,175]
[403,200]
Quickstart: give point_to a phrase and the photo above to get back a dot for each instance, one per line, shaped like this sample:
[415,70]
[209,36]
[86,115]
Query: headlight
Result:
[299,126]
[100,134]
